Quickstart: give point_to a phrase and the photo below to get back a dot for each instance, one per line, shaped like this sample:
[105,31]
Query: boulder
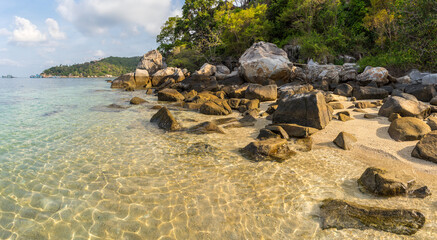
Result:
[344,89]
[278,130]
[430,79]
[416,76]
[379,75]
[335,98]
[362,105]
[426,148]
[423,93]
[405,108]
[381,183]
[345,140]
[142,79]
[267,134]
[206,70]
[432,123]
[217,107]
[165,120]
[170,95]
[205,128]
[137,101]
[170,72]
[348,73]
[340,214]
[222,69]
[272,109]
[200,83]
[151,61]
[403,80]
[408,129]
[268,150]
[265,63]
[297,131]
[263,93]
[336,105]
[290,89]
[123,81]
[399,93]
[361,93]
[433,101]
[308,110]
[234,103]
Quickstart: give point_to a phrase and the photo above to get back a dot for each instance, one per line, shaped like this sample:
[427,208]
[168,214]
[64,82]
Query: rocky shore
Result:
[303,107]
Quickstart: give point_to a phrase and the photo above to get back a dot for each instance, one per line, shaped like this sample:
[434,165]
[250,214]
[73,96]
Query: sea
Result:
[73,166]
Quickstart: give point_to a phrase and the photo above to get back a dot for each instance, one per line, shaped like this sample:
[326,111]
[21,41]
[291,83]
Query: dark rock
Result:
[278,130]
[200,83]
[165,120]
[272,109]
[423,93]
[433,101]
[266,134]
[361,93]
[170,95]
[205,128]
[399,93]
[422,192]
[137,101]
[340,214]
[344,89]
[294,130]
[149,91]
[406,108]
[394,116]
[432,123]
[426,148]
[359,110]
[218,107]
[262,93]
[380,182]
[308,110]
[345,140]
[408,129]
[268,150]
[156,107]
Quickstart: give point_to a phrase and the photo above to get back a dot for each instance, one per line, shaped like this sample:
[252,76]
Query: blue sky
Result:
[37,34]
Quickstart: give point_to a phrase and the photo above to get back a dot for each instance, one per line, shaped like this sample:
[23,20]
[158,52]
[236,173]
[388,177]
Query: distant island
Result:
[106,67]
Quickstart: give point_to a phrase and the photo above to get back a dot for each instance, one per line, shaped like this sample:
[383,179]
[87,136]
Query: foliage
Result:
[183,57]
[114,66]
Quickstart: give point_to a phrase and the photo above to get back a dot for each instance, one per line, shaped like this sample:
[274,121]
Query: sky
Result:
[38,34]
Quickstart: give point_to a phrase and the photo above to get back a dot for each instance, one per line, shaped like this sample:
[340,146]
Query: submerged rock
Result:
[137,101]
[408,129]
[340,214]
[378,182]
[268,150]
[201,149]
[165,120]
[426,148]
[205,128]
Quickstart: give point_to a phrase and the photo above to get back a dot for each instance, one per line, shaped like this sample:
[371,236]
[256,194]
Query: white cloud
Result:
[99,53]
[26,32]
[3,49]
[4,32]
[9,62]
[98,16]
[54,31]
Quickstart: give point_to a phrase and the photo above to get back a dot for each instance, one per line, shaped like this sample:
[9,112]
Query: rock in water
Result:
[345,140]
[405,108]
[340,214]
[137,101]
[165,120]
[308,110]
[263,93]
[263,62]
[268,150]
[205,128]
[201,149]
[170,95]
[426,148]
[378,182]
[408,129]
[151,61]
[216,107]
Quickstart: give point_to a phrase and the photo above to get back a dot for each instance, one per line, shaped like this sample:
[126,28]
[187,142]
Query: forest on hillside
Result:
[399,34]
[114,66]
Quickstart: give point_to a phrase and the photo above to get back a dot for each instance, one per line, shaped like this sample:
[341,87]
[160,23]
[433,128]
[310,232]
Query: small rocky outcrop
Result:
[340,214]
[426,148]
[345,140]
[379,182]
[170,72]
[344,89]
[205,128]
[137,101]
[265,63]
[408,129]
[206,70]
[378,75]
[217,107]
[405,108]
[263,93]
[151,61]
[165,120]
[268,150]
[308,110]
[170,95]
[423,93]
[361,93]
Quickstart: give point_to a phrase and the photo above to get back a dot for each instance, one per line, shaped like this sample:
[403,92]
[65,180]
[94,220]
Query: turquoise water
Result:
[72,168]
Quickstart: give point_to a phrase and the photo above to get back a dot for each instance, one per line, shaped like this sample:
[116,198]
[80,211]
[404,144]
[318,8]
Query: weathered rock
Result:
[361,93]
[263,93]
[423,93]
[165,120]
[141,79]
[363,105]
[404,80]
[222,69]
[137,101]
[340,214]
[268,150]
[348,73]
[170,72]
[217,107]
[206,70]
[335,98]
[336,105]
[272,109]
[432,123]
[252,104]
[308,110]
[170,95]
[265,63]
[200,83]
[380,182]
[345,140]
[393,117]
[408,129]
[267,134]
[344,89]
[430,79]
[149,91]
[401,94]
[344,116]
[304,144]
[422,192]
[426,148]
[405,107]
[205,128]
[123,81]
[151,61]
[278,130]
[378,75]
[433,101]
[288,90]
[294,130]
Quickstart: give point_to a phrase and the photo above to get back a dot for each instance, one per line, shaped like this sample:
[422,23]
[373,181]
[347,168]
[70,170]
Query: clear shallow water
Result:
[72,169]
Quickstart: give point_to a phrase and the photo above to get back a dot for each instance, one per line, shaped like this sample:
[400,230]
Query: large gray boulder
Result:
[263,93]
[430,79]
[379,75]
[408,129]
[165,120]
[426,148]
[265,63]
[206,70]
[340,214]
[170,72]
[404,107]
[308,110]
[151,61]
[422,92]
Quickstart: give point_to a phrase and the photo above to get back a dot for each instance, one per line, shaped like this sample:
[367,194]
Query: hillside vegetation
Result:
[393,33]
[114,66]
